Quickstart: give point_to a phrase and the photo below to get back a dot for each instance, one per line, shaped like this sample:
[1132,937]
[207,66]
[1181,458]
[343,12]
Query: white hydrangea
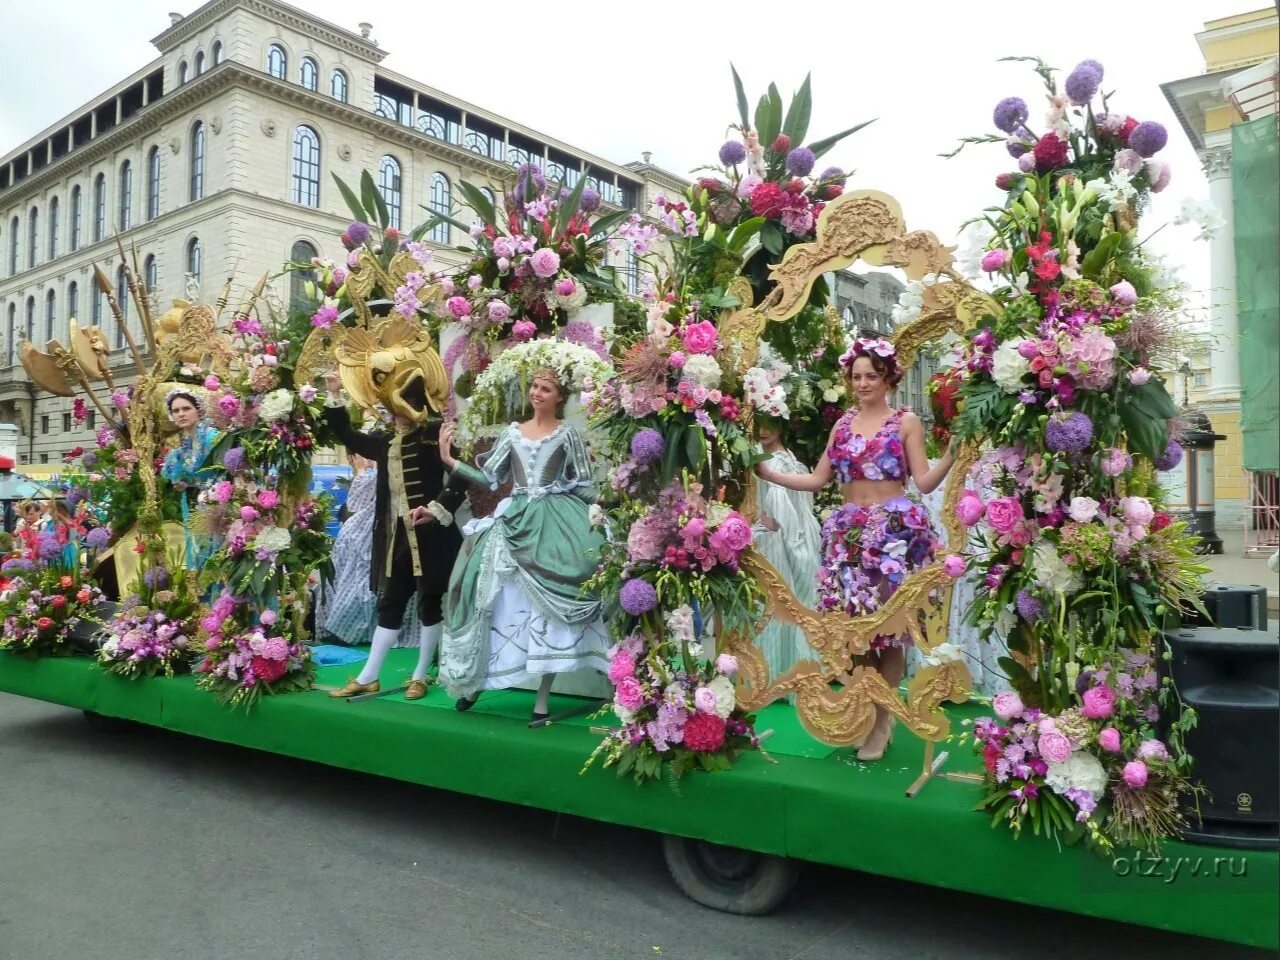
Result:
[1008,367]
[722,687]
[1051,571]
[276,405]
[910,303]
[1080,771]
[702,370]
[273,539]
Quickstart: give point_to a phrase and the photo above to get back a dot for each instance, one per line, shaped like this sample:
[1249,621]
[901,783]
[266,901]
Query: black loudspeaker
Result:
[1231,677]
[1232,605]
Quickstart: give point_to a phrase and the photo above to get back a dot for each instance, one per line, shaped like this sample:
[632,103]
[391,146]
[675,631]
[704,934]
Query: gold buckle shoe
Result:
[415,689]
[354,688]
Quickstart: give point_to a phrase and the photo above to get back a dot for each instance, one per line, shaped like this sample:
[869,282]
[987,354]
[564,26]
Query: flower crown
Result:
[879,346]
[196,400]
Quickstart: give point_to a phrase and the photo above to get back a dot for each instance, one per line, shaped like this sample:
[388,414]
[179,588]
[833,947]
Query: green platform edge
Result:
[810,803]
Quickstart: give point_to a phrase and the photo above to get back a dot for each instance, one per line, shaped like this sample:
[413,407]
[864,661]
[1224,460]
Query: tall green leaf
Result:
[569,206]
[769,117]
[353,202]
[605,224]
[820,147]
[478,202]
[772,239]
[742,98]
[796,125]
[373,201]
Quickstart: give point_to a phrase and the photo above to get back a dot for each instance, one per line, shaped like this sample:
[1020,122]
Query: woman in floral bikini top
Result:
[878,537]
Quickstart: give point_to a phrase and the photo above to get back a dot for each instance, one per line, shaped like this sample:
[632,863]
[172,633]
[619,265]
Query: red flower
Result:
[768,200]
[782,144]
[59,602]
[1161,520]
[1048,269]
[66,582]
[1006,181]
[44,623]
[990,754]
[1038,251]
[834,190]
[73,453]
[1123,135]
[140,547]
[1051,152]
[268,670]
[704,732]
[83,595]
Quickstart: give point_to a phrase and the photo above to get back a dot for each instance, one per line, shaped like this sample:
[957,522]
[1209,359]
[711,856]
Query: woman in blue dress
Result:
[185,464]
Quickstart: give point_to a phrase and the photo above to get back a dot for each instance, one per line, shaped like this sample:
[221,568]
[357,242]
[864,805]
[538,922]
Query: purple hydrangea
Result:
[97,538]
[1171,457]
[732,152]
[157,579]
[88,459]
[75,496]
[16,565]
[49,546]
[1029,608]
[1068,432]
[1148,138]
[800,161]
[359,233]
[234,460]
[833,175]
[589,202]
[1009,114]
[1083,82]
[647,446]
[638,597]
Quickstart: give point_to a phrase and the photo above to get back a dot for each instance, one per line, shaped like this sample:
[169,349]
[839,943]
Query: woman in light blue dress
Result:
[184,466]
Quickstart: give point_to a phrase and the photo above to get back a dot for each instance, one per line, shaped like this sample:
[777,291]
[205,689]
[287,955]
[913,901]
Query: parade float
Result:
[1056,404]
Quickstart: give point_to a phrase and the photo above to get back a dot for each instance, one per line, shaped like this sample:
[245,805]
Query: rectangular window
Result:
[92,422]
[44,423]
[44,458]
[66,423]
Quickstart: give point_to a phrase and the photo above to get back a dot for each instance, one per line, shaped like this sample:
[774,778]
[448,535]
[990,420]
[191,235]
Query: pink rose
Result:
[699,337]
[704,698]
[565,287]
[622,665]
[954,565]
[267,617]
[727,664]
[498,311]
[545,263]
[474,281]
[970,508]
[1007,705]
[504,247]
[1028,350]
[1139,375]
[211,382]
[222,491]
[627,694]
[1003,514]
[1099,702]
[1114,462]
[228,405]
[1054,747]
[248,514]
[995,260]
[676,359]
[504,264]
[523,329]
[459,306]
[1109,739]
[1123,293]
[268,499]
[735,532]
[1135,774]
[1137,511]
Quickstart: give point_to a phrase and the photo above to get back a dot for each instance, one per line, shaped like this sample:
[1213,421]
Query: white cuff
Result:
[443,516]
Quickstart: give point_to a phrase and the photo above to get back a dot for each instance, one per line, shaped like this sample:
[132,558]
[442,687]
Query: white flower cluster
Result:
[910,303]
[1051,571]
[1116,191]
[974,243]
[1008,367]
[1080,771]
[276,405]
[1204,214]
[702,370]
[273,539]
[761,392]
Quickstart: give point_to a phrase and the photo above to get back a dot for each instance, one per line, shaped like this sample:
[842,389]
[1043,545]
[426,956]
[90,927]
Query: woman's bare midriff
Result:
[869,493]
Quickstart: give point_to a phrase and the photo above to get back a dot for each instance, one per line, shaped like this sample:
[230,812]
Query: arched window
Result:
[150,275]
[338,86]
[53,228]
[301,252]
[13,246]
[33,237]
[197,161]
[217,52]
[50,314]
[277,61]
[30,331]
[153,183]
[95,304]
[126,196]
[73,301]
[122,300]
[199,62]
[194,258]
[309,74]
[440,203]
[75,218]
[99,207]
[493,201]
[182,73]
[306,167]
[389,187]
[11,341]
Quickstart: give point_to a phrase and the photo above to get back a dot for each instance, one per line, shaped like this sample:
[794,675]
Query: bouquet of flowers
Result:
[155,630]
[41,607]
[245,660]
[944,403]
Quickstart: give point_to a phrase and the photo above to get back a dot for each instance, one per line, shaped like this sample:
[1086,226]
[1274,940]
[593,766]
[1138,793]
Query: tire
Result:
[729,879]
[99,723]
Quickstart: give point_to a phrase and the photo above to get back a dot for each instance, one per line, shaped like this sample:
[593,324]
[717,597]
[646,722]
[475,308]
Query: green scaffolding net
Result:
[1255,182]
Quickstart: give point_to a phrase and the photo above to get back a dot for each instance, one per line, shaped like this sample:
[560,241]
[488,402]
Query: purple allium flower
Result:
[1148,138]
[589,202]
[1068,432]
[800,161]
[157,579]
[97,538]
[1029,608]
[638,597]
[525,173]
[1017,148]
[1009,114]
[89,460]
[1083,82]
[833,175]
[359,233]
[234,460]
[1171,457]
[647,446]
[732,152]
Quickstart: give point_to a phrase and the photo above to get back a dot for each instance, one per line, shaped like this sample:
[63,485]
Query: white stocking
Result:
[428,640]
[543,700]
[383,638]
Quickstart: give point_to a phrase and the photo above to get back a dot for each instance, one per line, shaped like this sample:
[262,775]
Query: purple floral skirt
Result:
[867,553]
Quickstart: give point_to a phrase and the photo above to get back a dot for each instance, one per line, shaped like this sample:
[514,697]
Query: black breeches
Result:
[400,586]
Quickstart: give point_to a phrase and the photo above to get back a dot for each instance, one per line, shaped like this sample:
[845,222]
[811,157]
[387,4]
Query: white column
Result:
[1225,349]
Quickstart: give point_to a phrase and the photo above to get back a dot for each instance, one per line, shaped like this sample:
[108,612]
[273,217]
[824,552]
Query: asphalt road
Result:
[153,846]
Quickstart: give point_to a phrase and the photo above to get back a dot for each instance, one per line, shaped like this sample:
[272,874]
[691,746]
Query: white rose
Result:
[595,514]
[830,396]
[722,687]
[1083,509]
[1008,367]
[1082,771]
[276,405]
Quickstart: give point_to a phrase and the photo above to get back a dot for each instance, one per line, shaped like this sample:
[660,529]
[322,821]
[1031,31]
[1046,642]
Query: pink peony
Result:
[735,531]
[995,260]
[498,311]
[1054,747]
[1114,462]
[268,499]
[1099,702]
[459,306]
[228,405]
[1109,739]
[545,263]
[627,694]
[694,529]
[676,359]
[504,247]
[1007,705]
[622,666]
[954,565]
[1137,510]
[565,287]
[222,491]
[727,664]
[211,382]
[699,337]
[523,329]
[1124,294]
[1083,509]
[704,698]
[248,514]
[1003,514]
[970,508]
[267,617]
[1153,750]
[1135,774]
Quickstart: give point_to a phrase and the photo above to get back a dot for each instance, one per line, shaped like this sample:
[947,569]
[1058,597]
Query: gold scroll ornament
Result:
[836,696]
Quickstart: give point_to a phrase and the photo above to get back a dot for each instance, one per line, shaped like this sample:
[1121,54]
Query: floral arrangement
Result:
[154,632]
[249,656]
[676,706]
[1082,567]
[943,389]
[41,606]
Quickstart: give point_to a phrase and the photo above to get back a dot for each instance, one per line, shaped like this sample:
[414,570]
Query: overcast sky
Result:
[618,78]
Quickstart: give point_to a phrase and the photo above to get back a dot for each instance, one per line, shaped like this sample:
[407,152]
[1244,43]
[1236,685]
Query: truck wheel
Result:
[729,879]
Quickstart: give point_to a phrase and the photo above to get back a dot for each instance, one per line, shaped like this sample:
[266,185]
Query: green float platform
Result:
[804,800]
